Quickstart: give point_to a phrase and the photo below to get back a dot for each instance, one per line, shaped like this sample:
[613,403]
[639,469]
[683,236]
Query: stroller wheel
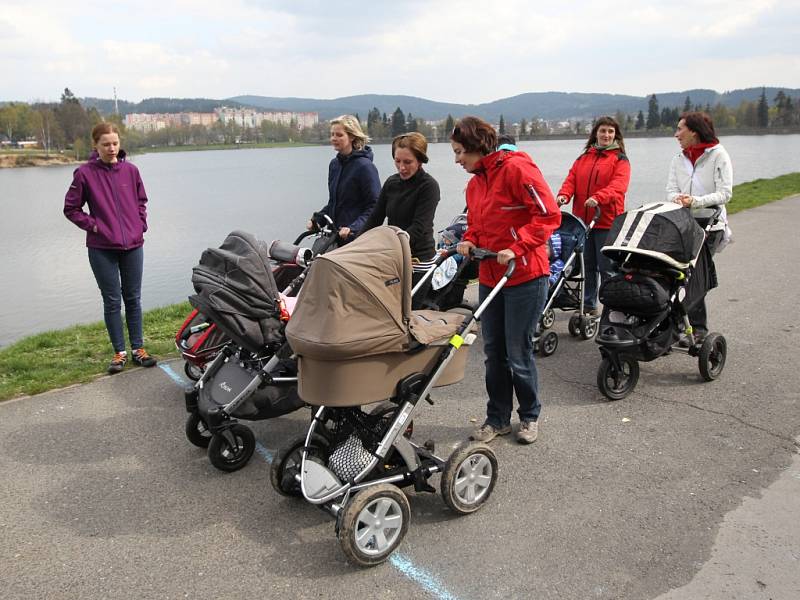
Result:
[573,325]
[587,327]
[468,478]
[549,343]
[232,457]
[197,431]
[288,460]
[712,356]
[616,384]
[373,523]
[548,318]
[193,371]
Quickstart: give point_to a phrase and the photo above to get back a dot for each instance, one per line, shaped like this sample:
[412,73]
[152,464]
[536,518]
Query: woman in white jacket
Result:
[701,176]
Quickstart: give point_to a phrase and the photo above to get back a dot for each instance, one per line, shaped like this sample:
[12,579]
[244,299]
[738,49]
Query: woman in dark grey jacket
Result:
[408,199]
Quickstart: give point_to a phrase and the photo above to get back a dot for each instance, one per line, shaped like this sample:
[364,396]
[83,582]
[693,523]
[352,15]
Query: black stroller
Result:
[253,376]
[566,293]
[358,342]
[664,261]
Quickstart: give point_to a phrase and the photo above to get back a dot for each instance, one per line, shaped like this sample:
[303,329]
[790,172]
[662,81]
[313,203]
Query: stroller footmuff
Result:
[358,343]
[659,250]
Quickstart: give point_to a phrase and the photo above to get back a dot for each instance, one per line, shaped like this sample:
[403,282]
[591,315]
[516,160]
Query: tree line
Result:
[66,125]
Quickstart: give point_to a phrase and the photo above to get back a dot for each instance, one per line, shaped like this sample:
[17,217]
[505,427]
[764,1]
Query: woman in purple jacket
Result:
[114,226]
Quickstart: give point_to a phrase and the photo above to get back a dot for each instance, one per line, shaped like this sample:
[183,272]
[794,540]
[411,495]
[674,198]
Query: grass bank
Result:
[81,353]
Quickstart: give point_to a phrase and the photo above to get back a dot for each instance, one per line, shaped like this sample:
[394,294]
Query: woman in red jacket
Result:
[511,211]
[598,178]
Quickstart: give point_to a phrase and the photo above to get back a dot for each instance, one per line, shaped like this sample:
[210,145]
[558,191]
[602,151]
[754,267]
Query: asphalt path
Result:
[685,489]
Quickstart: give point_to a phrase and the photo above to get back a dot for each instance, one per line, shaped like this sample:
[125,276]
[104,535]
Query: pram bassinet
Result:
[353,330]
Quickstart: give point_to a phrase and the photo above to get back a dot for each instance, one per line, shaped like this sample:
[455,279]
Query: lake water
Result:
[197,198]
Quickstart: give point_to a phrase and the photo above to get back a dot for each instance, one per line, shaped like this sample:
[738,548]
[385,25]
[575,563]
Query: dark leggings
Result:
[119,277]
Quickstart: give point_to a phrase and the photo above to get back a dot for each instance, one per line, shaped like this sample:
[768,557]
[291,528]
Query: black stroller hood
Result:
[665,232]
[237,291]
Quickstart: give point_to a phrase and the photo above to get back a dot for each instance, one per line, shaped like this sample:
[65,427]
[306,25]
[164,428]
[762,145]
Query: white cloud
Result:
[450,50]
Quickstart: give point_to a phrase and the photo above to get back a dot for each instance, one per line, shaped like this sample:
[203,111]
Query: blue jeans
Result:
[596,264]
[508,325]
[119,277]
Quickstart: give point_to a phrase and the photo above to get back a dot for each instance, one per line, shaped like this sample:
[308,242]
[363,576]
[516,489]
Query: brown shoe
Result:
[528,432]
[486,432]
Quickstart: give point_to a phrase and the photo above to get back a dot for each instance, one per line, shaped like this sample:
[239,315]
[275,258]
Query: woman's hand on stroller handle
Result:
[503,257]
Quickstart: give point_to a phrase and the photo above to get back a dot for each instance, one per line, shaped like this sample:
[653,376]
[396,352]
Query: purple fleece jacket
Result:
[117,203]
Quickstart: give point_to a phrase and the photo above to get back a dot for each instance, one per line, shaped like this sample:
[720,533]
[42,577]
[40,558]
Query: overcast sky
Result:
[447,50]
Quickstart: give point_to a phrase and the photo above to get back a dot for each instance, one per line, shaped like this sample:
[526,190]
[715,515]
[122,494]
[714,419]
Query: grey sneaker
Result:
[528,432]
[486,432]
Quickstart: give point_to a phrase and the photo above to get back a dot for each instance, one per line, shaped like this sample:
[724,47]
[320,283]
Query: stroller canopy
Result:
[356,300]
[666,232]
[236,290]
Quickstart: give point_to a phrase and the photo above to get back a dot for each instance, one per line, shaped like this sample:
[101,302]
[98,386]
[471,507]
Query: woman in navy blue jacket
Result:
[353,183]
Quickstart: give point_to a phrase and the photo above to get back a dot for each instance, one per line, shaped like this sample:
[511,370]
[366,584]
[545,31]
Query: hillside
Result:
[547,105]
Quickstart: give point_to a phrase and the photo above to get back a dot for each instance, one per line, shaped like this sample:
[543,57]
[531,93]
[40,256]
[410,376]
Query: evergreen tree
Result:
[398,122]
[411,124]
[653,118]
[501,129]
[449,124]
[687,106]
[72,118]
[523,127]
[639,121]
[763,109]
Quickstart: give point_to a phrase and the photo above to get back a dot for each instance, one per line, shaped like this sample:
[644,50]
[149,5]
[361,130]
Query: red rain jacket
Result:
[509,205]
[602,175]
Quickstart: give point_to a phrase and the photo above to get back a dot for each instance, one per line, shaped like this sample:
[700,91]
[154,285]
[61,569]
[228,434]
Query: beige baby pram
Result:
[357,343]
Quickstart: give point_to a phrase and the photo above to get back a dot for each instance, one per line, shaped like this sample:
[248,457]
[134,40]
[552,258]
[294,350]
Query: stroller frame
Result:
[412,464]
[545,340]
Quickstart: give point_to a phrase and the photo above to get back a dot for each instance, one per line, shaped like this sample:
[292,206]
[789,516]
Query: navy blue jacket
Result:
[353,188]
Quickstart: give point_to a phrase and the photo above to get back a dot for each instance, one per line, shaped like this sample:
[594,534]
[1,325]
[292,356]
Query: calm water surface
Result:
[197,198]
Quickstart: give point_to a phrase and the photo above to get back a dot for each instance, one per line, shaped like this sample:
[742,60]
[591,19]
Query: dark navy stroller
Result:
[566,286]
[664,261]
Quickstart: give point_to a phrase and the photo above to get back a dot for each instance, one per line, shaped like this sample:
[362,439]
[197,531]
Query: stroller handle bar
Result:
[483,254]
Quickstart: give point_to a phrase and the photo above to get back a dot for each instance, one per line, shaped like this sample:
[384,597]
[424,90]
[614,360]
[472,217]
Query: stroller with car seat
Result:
[565,293]
[663,260]
[358,342]
[253,376]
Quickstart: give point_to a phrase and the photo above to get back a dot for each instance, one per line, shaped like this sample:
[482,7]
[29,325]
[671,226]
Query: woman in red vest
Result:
[598,178]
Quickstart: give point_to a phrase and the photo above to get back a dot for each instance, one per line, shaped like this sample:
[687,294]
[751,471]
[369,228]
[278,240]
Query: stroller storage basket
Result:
[634,293]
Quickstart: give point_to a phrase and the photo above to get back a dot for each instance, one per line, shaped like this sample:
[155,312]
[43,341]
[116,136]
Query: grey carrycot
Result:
[353,331]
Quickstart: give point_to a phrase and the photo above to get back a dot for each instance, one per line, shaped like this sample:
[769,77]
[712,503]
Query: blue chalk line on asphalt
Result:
[400,562]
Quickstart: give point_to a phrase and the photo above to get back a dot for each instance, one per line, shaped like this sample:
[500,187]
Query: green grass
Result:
[81,353]
[761,191]
[78,354]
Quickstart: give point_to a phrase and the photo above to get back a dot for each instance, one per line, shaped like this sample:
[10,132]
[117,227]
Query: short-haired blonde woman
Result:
[353,184]
[113,190]
[408,198]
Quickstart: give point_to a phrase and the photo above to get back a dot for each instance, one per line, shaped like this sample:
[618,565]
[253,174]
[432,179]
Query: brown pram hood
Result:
[356,301]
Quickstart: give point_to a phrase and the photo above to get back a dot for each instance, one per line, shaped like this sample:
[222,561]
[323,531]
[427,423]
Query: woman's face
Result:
[341,140]
[685,136]
[605,135]
[468,160]
[406,163]
[108,147]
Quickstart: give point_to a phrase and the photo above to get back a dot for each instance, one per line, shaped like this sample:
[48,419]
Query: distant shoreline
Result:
[36,159]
